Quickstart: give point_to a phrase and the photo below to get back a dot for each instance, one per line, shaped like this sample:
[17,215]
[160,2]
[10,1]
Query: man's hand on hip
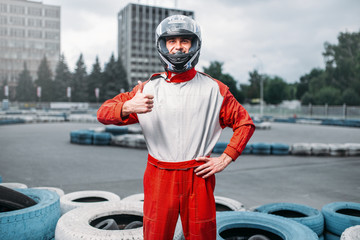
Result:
[212,165]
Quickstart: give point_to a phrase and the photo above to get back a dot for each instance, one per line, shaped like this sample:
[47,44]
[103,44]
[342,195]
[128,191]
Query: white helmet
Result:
[178,25]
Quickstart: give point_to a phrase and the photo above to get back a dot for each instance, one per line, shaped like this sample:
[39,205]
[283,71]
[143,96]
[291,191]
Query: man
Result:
[181,113]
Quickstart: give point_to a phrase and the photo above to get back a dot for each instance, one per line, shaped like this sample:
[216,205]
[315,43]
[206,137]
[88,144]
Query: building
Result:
[136,39]
[28,32]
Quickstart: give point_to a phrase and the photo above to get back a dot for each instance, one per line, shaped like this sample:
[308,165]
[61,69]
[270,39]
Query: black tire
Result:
[13,200]
[233,224]
[303,214]
[35,222]
[340,216]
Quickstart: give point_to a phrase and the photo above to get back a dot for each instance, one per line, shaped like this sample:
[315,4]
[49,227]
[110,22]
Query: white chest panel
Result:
[184,123]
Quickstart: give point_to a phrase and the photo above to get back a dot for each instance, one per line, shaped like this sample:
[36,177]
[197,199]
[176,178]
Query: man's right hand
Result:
[140,103]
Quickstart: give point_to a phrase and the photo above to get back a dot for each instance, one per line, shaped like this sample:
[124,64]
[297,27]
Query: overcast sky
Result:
[277,37]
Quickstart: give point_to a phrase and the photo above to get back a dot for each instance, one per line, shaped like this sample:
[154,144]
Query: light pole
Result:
[261,86]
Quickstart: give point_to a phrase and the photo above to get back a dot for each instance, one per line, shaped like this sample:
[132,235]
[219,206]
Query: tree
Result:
[328,95]
[62,80]
[343,61]
[215,71]
[44,80]
[25,90]
[350,97]
[114,80]
[94,80]
[79,86]
[276,91]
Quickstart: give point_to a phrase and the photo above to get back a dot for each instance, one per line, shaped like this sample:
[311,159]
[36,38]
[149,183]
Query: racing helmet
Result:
[174,26]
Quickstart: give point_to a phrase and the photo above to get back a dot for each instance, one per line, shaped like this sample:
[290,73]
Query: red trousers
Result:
[171,189]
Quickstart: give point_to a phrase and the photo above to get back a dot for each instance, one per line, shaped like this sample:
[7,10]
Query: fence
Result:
[310,111]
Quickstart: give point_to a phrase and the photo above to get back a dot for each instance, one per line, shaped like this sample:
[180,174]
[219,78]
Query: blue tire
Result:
[280,149]
[219,147]
[116,130]
[340,216]
[305,215]
[82,137]
[35,222]
[261,148]
[102,138]
[233,224]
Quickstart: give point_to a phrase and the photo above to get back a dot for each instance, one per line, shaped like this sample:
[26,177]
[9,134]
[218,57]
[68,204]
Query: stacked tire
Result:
[261,148]
[82,137]
[29,214]
[303,214]
[340,216]
[247,225]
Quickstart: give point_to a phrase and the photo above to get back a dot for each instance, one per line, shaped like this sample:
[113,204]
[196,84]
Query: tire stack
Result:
[29,214]
[261,148]
[340,216]
[84,137]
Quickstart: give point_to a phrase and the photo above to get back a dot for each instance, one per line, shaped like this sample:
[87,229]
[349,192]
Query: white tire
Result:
[352,149]
[74,200]
[59,191]
[337,149]
[78,223]
[228,204]
[320,149]
[301,149]
[351,233]
[139,197]
[14,185]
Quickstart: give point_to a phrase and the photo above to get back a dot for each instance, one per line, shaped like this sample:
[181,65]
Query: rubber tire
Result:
[232,204]
[67,202]
[132,225]
[14,200]
[59,191]
[259,237]
[337,222]
[138,197]
[14,185]
[35,222]
[75,224]
[351,233]
[110,224]
[314,218]
[286,228]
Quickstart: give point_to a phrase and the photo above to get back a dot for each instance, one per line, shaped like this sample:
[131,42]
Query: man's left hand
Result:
[212,165]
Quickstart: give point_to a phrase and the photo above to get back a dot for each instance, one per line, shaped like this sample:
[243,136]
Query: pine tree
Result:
[80,91]
[94,80]
[44,80]
[62,80]
[114,79]
[25,90]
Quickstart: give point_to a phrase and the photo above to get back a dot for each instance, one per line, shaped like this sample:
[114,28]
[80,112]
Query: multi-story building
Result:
[136,39]
[28,32]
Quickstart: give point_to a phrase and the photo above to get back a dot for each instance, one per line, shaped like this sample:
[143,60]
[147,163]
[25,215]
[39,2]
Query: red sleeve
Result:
[110,111]
[234,115]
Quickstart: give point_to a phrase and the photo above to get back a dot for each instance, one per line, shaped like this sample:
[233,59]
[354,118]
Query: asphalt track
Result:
[42,155]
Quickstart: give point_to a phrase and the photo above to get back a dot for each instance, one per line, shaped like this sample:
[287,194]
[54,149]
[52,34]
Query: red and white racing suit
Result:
[190,110]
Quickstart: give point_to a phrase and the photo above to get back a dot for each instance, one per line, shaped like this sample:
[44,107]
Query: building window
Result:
[34,11]
[52,24]
[3,20]
[34,33]
[14,32]
[18,21]
[53,13]
[3,31]
[34,22]
[52,35]
[17,9]
[3,7]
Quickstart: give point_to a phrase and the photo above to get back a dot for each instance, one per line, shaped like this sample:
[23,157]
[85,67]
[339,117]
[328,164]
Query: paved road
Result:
[42,155]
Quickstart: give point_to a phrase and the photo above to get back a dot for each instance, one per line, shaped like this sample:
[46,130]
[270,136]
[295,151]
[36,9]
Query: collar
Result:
[181,77]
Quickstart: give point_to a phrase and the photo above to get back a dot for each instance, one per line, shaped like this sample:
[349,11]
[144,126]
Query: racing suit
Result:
[190,110]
